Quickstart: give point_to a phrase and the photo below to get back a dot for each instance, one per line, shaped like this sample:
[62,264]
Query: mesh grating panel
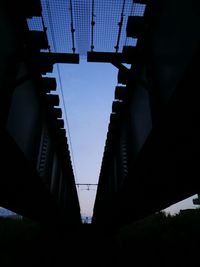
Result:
[60,13]
[57,19]
[82,14]
[35,24]
[138,10]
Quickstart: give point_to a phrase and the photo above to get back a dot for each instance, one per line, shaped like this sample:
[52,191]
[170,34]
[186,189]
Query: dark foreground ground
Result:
[158,240]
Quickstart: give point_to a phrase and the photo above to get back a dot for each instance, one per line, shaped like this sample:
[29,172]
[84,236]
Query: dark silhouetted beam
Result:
[114,118]
[59,57]
[60,123]
[38,39]
[129,53]
[61,133]
[140,1]
[135,26]
[49,84]
[107,57]
[53,100]
[120,92]
[23,8]
[41,66]
[57,112]
[123,76]
[117,106]
[43,62]
[32,8]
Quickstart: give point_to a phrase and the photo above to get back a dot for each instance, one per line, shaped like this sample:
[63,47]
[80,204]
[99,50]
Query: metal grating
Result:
[57,17]
[137,10]
[82,15]
[35,24]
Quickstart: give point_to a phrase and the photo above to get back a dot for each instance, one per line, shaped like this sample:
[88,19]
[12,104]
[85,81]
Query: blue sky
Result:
[89,92]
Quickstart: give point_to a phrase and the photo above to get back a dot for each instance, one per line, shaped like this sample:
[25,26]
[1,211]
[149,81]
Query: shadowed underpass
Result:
[151,153]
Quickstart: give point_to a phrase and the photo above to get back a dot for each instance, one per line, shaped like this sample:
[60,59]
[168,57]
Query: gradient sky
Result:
[89,91]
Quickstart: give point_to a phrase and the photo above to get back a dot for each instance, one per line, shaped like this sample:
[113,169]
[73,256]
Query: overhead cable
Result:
[92,30]
[72,27]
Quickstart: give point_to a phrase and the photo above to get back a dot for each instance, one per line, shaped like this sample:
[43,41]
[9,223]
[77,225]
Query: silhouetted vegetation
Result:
[161,240]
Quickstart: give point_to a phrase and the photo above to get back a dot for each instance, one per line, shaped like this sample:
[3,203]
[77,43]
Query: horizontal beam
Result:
[140,2]
[32,8]
[87,184]
[59,57]
[107,57]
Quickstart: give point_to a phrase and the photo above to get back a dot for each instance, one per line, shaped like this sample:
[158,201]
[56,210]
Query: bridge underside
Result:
[151,157]
[151,154]
[36,178]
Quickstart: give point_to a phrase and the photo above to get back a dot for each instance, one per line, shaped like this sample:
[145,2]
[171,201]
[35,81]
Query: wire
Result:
[67,122]
[61,88]
[87,187]
[72,27]
[92,24]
